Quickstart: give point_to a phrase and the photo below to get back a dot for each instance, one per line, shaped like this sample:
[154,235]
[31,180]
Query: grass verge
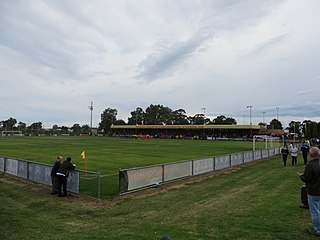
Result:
[252,201]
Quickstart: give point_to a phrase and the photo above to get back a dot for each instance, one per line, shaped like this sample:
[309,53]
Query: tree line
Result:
[153,115]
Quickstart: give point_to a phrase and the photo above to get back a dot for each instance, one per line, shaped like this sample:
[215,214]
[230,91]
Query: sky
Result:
[218,55]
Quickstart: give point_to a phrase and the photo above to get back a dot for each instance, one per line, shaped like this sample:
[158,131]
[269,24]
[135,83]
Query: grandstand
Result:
[190,131]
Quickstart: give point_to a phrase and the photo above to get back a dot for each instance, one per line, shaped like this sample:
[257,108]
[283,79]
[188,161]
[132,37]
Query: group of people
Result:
[293,150]
[59,175]
[310,193]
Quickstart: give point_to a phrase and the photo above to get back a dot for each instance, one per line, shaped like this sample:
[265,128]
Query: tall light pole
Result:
[91,109]
[250,113]
[277,113]
[263,117]
[204,115]
[250,117]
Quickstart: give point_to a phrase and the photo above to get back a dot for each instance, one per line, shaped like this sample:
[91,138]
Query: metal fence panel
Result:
[222,162]
[203,166]
[236,159]
[142,177]
[265,153]
[248,156]
[134,179]
[12,166]
[40,173]
[272,151]
[177,170]
[257,154]
[73,181]
[22,169]
[2,159]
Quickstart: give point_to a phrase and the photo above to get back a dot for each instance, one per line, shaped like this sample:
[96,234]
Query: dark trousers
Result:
[305,158]
[294,160]
[304,196]
[55,184]
[63,184]
[284,158]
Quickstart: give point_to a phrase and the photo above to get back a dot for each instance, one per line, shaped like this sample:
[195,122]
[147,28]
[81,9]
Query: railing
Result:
[80,182]
[135,179]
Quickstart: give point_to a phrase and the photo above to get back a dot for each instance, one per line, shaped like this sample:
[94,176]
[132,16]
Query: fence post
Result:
[5,164]
[99,187]
[214,164]
[192,162]
[28,170]
[163,173]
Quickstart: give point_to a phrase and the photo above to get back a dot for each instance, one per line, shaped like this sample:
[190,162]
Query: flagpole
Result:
[83,155]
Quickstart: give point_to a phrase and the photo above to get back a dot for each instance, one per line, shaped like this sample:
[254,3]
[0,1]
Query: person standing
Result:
[284,153]
[63,173]
[294,154]
[311,176]
[53,174]
[305,151]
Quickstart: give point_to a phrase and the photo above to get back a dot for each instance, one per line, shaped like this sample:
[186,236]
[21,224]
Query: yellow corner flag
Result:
[84,156]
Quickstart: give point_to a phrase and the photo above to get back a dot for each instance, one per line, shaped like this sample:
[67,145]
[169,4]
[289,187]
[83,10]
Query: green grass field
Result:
[108,155]
[258,200]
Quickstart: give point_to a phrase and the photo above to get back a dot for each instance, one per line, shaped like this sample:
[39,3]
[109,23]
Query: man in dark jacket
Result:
[311,177]
[54,177]
[63,173]
[305,151]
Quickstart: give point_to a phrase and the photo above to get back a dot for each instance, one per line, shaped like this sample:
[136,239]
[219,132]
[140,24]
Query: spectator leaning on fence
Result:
[311,177]
[63,174]
[54,177]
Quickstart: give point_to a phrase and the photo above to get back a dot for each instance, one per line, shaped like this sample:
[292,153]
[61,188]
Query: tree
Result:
[179,117]
[294,128]
[76,129]
[275,124]
[137,117]
[119,122]
[197,119]
[310,129]
[158,115]
[108,117]
[22,126]
[35,128]
[224,120]
[64,130]
[85,129]
[8,125]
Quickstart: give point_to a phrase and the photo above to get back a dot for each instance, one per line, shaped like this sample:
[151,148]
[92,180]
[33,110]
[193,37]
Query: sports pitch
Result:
[107,155]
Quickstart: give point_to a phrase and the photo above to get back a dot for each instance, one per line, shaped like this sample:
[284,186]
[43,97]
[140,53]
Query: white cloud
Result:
[56,57]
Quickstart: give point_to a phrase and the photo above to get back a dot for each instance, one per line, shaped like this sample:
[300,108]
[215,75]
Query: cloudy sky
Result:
[223,55]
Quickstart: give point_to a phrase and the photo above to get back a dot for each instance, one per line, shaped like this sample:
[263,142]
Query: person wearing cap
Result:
[311,176]
[53,174]
[63,173]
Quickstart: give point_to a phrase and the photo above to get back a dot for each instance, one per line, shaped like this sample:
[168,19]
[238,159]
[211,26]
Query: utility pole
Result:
[277,113]
[263,117]
[91,109]
[250,117]
[204,115]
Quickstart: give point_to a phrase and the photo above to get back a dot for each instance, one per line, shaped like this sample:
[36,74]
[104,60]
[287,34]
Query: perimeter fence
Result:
[135,179]
[81,182]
